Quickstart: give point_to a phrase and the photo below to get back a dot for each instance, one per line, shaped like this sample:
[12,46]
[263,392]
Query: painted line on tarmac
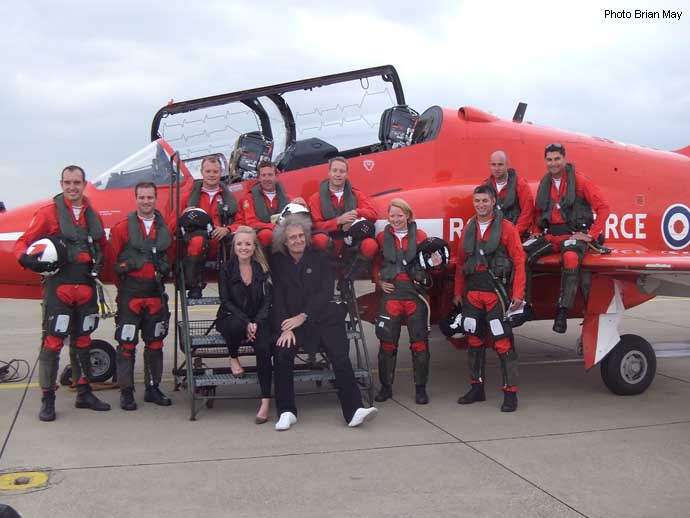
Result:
[6,386]
[35,384]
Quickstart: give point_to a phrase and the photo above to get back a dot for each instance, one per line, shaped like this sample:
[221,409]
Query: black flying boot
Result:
[476,393]
[560,325]
[86,399]
[154,395]
[387,360]
[153,373]
[420,395]
[384,393]
[47,412]
[510,402]
[127,399]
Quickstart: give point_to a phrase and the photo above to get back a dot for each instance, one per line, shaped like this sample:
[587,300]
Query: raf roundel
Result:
[675,226]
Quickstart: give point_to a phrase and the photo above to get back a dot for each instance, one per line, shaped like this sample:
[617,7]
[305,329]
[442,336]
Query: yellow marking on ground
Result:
[34,384]
[22,480]
[18,385]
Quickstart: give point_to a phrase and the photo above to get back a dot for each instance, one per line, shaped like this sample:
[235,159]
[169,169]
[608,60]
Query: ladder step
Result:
[204,301]
[209,339]
[250,378]
[219,352]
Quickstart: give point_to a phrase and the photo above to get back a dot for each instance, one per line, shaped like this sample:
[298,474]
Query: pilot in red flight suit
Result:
[266,199]
[564,223]
[489,253]
[513,195]
[400,277]
[69,297]
[213,196]
[139,249]
[334,207]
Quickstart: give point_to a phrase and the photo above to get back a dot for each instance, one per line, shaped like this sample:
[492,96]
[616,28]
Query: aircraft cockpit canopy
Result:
[299,124]
[150,164]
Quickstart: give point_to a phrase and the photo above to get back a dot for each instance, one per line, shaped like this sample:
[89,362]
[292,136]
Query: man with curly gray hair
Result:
[306,317]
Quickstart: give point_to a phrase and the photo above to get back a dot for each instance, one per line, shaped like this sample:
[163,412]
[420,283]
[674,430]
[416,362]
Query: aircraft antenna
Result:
[520,112]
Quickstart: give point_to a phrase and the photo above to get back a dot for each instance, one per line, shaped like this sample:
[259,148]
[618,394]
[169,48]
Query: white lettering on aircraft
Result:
[456,225]
[627,226]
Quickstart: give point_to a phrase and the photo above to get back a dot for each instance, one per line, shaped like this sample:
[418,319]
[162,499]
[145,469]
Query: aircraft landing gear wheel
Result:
[66,376]
[103,364]
[630,367]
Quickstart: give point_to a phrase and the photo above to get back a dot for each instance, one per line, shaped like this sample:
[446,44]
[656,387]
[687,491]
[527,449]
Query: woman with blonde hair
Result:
[243,317]
[399,276]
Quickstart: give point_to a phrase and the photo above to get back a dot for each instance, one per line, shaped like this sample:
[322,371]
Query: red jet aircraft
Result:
[433,160]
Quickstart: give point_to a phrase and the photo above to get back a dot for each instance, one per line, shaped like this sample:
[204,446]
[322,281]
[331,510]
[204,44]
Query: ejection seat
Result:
[249,151]
[397,125]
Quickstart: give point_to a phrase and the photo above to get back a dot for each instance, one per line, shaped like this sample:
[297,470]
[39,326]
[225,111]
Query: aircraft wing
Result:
[622,275]
[629,260]
[658,272]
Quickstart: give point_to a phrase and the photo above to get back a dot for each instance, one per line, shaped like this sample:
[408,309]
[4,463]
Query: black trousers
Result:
[335,345]
[234,332]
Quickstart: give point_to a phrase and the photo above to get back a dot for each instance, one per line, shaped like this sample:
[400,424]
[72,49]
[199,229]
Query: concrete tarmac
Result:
[572,449]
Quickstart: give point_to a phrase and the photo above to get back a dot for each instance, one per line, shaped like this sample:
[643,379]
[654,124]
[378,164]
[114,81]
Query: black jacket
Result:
[248,303]
[305,287]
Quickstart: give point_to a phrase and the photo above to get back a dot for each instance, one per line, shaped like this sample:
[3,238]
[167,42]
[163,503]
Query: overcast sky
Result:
[81,82]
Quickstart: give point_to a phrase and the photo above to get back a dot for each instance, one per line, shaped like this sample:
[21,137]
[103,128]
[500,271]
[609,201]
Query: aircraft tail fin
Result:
[683,151]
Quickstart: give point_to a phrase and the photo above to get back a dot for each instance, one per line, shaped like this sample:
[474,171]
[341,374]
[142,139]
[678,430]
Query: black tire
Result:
[103,362]
[66,376]
[630,367]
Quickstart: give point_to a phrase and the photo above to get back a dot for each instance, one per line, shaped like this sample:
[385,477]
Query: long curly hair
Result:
[292,220]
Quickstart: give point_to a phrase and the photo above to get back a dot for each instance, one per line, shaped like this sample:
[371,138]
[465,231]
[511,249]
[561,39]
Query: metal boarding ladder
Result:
[199,341]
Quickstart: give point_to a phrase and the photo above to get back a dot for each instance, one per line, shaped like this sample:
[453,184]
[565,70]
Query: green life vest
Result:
[140,250]
[396,260]
[227,204]
[490,253]
[576,211]
[508,205]
[327,208]
[76,236]
[260,208]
